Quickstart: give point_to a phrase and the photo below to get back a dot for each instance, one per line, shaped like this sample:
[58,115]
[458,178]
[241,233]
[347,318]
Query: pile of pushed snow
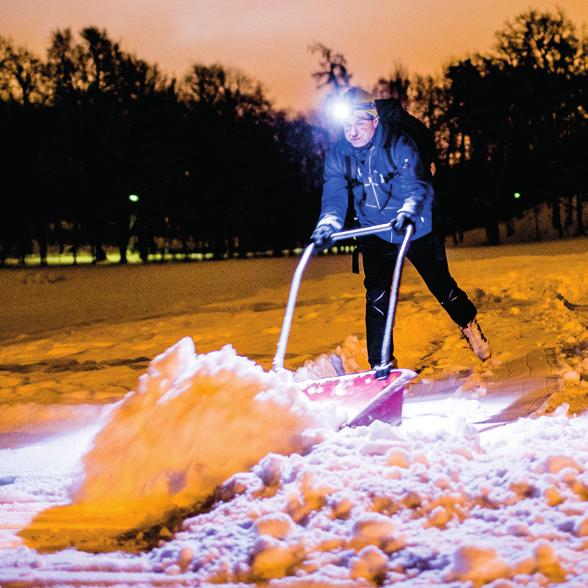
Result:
[410,508]
[193,421]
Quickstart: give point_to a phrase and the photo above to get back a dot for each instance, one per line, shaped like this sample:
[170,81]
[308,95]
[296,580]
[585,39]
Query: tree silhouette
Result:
[512,112]
[23,76]
[542,41]
[333,73]
[396,85]
[218,169]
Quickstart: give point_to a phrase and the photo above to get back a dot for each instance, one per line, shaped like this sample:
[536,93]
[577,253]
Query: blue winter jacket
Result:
[383,185]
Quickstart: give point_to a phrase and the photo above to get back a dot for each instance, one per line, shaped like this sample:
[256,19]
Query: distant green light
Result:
[517,195]
[133,198]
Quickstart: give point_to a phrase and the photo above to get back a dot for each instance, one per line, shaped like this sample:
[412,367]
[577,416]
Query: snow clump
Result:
[193,421]
[458,508]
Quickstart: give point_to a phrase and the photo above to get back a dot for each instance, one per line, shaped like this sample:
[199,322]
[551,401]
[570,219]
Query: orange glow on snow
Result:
[190,424]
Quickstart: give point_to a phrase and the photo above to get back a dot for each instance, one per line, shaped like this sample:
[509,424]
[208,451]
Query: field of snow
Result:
[128,459]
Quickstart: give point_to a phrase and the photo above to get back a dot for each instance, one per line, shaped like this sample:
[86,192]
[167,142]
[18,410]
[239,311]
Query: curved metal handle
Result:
[362,232]
[278,362]
[391,314]
[287,323]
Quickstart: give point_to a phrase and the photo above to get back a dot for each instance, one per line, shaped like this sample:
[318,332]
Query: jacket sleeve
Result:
[413,180]
[335,195]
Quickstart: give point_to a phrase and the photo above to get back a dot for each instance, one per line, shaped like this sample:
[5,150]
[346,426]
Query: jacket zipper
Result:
[371,181]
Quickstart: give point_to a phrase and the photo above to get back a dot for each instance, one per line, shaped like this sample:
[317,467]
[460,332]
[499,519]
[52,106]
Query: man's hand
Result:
[401,222]
[321,236]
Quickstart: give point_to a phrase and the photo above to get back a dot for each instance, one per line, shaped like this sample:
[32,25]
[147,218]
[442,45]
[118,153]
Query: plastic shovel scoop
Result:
[365,397]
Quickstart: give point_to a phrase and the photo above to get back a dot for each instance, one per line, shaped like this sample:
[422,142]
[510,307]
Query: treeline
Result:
[212,165]
[211,162]
[511,125]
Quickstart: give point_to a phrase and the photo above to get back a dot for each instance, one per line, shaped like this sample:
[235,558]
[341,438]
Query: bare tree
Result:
[542,40]
[23,76]
[333,72]
[224,90]
[396,85]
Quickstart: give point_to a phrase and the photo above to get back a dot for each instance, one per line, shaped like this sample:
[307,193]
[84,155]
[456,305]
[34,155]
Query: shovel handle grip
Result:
[362,232]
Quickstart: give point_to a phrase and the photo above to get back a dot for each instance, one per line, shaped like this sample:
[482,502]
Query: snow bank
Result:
[385,505]
[192,422]
[377,505]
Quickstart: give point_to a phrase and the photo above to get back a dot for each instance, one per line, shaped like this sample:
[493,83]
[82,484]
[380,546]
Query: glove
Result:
[401,222]
[321,236]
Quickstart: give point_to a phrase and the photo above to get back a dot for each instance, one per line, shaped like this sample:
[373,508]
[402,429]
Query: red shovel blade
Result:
[369,398]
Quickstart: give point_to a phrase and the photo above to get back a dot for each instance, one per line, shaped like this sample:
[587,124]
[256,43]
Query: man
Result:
[378,167]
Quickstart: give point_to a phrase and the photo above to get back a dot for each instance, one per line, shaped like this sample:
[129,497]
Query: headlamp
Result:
[344,111]
[340,111]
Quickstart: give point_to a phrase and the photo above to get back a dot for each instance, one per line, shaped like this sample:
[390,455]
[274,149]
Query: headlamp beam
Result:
[343,111]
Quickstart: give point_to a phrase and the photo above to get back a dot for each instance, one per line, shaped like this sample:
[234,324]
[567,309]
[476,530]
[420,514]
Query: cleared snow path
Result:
[518,388]
[503,503]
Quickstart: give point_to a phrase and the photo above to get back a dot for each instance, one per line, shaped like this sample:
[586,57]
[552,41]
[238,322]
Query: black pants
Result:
[427,255]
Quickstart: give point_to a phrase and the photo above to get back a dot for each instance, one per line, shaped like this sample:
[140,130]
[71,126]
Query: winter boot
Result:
[472,333]
[393,363]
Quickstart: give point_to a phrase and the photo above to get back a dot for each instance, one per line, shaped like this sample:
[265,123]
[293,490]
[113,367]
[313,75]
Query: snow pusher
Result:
[376,394]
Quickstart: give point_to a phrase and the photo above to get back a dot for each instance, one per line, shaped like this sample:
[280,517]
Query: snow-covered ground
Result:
[214,470]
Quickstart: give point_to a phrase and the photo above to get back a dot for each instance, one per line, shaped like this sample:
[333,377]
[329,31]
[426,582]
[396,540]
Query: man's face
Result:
[359,131]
